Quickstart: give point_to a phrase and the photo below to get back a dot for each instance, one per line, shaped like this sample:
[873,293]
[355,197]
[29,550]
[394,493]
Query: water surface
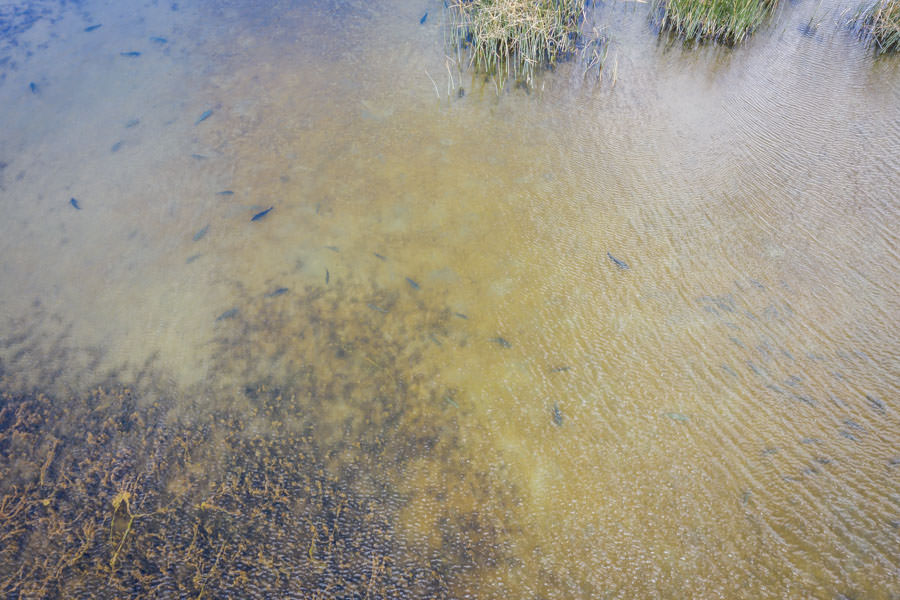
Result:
[626,337]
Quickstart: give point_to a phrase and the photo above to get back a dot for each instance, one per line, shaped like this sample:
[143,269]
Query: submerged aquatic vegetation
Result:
[880,24]
[292,484]
[514,38]
[724,21]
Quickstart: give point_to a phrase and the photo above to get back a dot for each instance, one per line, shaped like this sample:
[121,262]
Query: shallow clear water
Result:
[433,300]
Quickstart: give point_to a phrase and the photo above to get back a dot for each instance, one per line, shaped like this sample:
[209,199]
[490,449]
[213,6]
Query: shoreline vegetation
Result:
[515,39]
[879,25]
[728,22]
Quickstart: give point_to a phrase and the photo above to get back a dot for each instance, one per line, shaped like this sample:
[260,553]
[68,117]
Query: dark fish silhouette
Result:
[93,27]
[132,123]
[502,342]
[848,435]
[876,403]
[375,307]
[327,276]
[33,87]
[379,256]
[206,114]
[557,416]
[228,314]
[131,53]
[159,40]
[619,263]
[278,292]
[424,17]
[225,193]
[262,214]
[199,235]
[412,283]
[74,203]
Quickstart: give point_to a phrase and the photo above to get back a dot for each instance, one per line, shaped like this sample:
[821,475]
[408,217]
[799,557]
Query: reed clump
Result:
[727,22]
[880,23]
[514,38]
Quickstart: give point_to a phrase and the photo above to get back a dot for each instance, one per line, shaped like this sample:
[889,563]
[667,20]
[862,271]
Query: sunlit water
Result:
[627,337]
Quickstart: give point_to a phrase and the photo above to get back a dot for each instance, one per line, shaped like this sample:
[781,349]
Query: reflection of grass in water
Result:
[880,23]
[515,38]
[289,488]
[724,21]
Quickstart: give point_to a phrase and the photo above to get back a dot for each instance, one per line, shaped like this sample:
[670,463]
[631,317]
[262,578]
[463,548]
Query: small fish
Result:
[159,40]
[893,462]
[375,307]
[327,276]
[461,92]
[848,435]
[33,87]
[753,368]
[677,416]
[199,157]
[434,339]
[228,314]
[757,284]
[822,460]
[807,29]
[810,441]
[262,214]
[132,123]
[559,369]
[729,370]
[745,497]
[876,403]
[853,424]
[805,399]
[93,27]
[278,292]
[618,262]
[74,203]
[737,342]
[333,248]
[379,256]
[450,401]
[424,17]
[199,235]
[502,342]
[206,114]
[192,258]
[557,416]
[115,147]
[412,283]
[130,53]
[769,451]
[775,388]
[461,316]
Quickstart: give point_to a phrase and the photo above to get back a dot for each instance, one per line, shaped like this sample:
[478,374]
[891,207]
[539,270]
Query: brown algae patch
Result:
[346,479]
